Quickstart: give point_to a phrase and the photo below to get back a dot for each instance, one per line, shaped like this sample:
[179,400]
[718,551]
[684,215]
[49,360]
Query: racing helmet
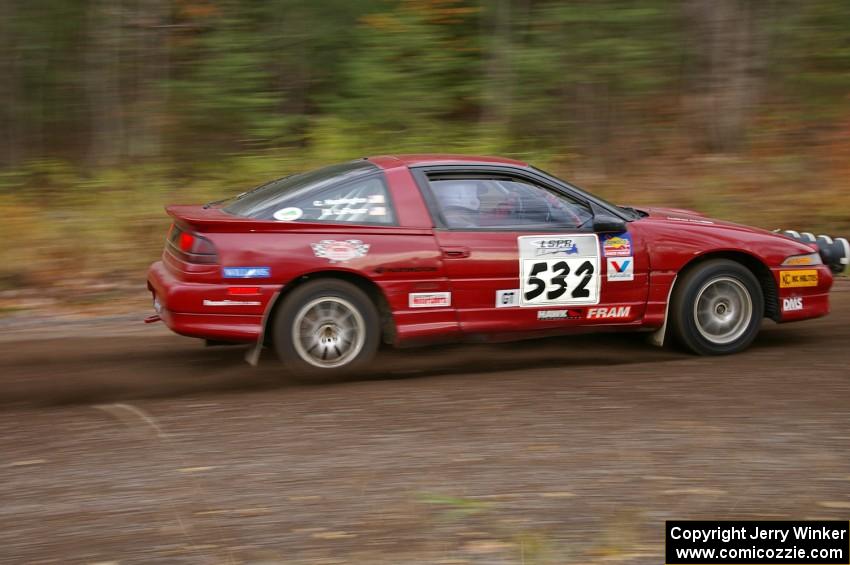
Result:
[459,194]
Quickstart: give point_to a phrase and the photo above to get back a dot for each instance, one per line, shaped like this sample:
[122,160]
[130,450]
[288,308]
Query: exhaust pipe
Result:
[835,253]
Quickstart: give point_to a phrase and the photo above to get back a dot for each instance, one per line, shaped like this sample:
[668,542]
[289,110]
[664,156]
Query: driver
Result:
[459,203]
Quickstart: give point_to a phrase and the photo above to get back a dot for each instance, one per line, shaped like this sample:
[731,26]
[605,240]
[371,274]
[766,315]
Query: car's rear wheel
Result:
[326,327]
[717,308]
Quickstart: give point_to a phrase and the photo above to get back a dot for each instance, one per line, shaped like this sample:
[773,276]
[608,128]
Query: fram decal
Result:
[507,298]
[608,313]
[793,279]
[246,272]
[338,251]
[430,299]
[793,303]
[570,314]
[621,269]
[617,244]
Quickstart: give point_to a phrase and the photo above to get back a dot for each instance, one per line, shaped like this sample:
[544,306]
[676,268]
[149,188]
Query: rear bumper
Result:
[188,308]
[803,292]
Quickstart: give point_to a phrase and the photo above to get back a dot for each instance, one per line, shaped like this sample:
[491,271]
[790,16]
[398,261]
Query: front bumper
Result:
[803,293]
[207,310]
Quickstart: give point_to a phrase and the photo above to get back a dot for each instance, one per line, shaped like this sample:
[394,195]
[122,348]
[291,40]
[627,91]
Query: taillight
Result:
[191,247]
[186,242]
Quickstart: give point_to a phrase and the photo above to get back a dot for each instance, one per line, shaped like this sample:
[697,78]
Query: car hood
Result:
[691,220]
[682,216]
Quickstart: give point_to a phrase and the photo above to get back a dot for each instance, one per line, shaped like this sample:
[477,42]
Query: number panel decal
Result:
[559,269]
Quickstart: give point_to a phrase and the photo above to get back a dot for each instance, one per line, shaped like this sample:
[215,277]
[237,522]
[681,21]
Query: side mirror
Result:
[605,222]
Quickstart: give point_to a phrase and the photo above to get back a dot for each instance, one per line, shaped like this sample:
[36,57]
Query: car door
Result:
[521,253]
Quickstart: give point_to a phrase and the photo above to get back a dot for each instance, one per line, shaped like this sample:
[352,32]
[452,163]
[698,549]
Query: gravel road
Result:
[123,444]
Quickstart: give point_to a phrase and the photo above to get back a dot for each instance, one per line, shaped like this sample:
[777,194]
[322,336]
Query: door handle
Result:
[457,252]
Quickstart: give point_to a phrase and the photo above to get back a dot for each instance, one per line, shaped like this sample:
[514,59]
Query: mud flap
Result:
[252,356]
[657,337]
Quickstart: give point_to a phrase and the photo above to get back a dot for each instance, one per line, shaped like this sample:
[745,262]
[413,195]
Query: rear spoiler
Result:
[200,217]
[216,220]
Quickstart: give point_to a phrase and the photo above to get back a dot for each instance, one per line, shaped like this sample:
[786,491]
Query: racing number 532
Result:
[536,286]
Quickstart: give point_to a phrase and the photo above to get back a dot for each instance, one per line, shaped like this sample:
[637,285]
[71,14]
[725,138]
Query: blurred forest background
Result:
[109,109]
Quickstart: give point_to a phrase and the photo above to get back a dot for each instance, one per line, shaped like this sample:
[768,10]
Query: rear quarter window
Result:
[354,193]
[364,201]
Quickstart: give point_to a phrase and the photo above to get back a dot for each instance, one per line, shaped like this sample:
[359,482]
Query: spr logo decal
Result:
[555,246]
[339,251]
[795,279]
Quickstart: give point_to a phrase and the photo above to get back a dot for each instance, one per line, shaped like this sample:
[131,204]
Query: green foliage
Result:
[199,79]
[813,56]
[110,109]
[407,84]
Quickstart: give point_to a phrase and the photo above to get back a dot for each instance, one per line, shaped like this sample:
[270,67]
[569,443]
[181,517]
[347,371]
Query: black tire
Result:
[725,323]
[326,306]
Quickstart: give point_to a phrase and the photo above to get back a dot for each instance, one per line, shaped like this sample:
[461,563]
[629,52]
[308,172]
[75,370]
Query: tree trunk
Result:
[11,140]
[151,64]
[103,83]
[725,82]
[497,83]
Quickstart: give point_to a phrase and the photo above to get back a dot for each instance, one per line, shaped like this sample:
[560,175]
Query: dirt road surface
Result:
[126,444]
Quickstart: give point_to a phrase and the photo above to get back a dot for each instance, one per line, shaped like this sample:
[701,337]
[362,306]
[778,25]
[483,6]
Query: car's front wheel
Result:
[717,308]
[326,328]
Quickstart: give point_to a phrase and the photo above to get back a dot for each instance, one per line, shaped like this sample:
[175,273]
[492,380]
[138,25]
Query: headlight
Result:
[802,260]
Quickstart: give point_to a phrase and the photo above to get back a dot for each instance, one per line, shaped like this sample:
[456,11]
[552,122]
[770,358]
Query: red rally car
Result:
[410,249]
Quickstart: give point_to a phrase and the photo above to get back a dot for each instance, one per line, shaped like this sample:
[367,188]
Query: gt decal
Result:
[794,279]
[621,269]
[507,298]
[609,313]
[558,269]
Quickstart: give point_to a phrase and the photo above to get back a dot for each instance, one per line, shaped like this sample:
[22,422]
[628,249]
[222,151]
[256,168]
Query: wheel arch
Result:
[755,265]
[372,290]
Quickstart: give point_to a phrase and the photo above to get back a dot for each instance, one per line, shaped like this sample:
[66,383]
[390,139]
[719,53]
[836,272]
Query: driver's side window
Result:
[501,202]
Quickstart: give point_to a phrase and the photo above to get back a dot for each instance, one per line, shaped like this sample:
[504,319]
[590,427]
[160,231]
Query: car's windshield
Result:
[264,200]
[631,213]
